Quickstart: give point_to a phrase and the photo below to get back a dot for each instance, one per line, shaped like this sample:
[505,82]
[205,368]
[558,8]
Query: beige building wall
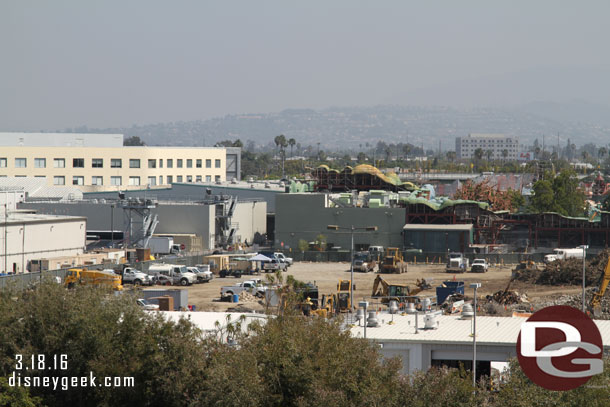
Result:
[32,237]
[139,166]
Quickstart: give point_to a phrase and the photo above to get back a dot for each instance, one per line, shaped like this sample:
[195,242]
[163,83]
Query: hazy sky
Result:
[116,63]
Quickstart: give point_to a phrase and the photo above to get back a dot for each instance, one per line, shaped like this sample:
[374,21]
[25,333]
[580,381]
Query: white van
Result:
[177,273]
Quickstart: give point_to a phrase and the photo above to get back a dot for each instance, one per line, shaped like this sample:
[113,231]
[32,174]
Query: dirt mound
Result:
[568,272]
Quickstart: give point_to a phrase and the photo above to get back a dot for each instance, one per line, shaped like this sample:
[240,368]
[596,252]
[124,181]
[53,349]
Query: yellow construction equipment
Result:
[92,277]
[393,261]
[326,307]
[344,301]
[390,292]
[603,286]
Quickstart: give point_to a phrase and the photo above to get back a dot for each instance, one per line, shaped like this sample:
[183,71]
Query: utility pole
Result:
[5,237]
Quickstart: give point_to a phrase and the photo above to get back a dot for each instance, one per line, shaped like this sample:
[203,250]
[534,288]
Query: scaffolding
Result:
[139,223]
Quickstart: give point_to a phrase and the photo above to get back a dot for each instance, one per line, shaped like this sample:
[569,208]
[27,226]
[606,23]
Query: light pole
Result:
[474,335]
[584,248]
[352,229]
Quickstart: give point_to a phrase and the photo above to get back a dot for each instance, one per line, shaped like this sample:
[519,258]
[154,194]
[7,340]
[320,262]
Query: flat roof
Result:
[207,321]
[417,226]
[17,218]
[455,330]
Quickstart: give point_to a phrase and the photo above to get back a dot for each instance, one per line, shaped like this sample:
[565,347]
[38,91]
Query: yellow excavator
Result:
[397,292]
[594,305]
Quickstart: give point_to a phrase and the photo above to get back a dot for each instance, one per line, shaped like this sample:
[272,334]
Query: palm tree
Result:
[291,142]
[489,154]
[504,153]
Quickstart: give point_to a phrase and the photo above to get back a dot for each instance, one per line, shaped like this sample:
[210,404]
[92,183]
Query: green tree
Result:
[558,194]
[303,245]
[291,143]
[133,141]
[321,242]
[361,157]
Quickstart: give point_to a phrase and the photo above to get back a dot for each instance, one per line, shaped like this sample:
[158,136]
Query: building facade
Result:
[96,162]
[499,146]
[114,167]
[26,237]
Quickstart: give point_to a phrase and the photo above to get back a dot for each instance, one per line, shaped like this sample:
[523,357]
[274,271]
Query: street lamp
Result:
[584,248]
[352,229]
[474,335]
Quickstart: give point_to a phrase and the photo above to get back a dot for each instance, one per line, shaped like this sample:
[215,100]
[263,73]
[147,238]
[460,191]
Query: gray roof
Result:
[454,330]
[38,188]
[60,139]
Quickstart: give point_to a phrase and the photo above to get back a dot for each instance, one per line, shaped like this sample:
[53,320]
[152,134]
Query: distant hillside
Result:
[348,128]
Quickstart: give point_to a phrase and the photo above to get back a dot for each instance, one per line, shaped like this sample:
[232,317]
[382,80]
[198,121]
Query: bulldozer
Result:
[393,262]
[595,304]
[397,292]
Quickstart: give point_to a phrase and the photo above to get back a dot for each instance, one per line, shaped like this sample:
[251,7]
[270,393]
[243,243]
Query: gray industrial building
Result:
[438,238]
[303,216]
[246,222]
[260,191]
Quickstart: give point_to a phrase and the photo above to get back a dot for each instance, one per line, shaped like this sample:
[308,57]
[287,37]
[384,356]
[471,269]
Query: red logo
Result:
[560,348]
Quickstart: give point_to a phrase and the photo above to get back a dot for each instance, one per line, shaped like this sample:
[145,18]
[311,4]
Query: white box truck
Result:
[163,245]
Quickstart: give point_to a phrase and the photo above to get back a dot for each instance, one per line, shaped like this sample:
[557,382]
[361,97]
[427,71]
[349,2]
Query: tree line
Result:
[291,360]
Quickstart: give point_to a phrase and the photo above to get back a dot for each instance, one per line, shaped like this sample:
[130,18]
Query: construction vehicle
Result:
[595,305]
[393,262]
[398,292]
[344,301]
[327,306]
[456,263]
[81,276]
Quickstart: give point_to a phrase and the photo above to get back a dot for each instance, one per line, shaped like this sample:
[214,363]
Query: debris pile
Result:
[567,272]
[575,301]
[508,297]
[247,297]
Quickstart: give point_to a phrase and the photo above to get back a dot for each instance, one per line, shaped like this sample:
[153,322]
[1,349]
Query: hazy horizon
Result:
[115,64]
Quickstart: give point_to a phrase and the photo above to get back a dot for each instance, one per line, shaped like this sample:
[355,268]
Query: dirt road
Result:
[326,275]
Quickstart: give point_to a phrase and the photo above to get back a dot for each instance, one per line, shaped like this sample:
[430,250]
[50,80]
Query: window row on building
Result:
[114,163]
[119,180]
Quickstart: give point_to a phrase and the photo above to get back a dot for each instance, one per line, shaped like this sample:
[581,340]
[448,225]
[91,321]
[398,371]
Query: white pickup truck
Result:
[479,266]
[136,277]
[273,265]
[253,287]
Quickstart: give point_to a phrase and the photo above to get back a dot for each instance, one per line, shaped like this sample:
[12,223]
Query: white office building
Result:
[498,145]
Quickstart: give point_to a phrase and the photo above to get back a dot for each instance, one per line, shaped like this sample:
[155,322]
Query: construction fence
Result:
[419,258]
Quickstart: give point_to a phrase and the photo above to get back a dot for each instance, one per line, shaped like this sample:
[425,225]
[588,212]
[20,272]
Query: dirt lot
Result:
[326,275]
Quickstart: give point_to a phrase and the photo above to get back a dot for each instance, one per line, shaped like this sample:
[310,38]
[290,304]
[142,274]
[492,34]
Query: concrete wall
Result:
[419,356]
[198,219]
[24,238]
[251,218]
[304,216]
